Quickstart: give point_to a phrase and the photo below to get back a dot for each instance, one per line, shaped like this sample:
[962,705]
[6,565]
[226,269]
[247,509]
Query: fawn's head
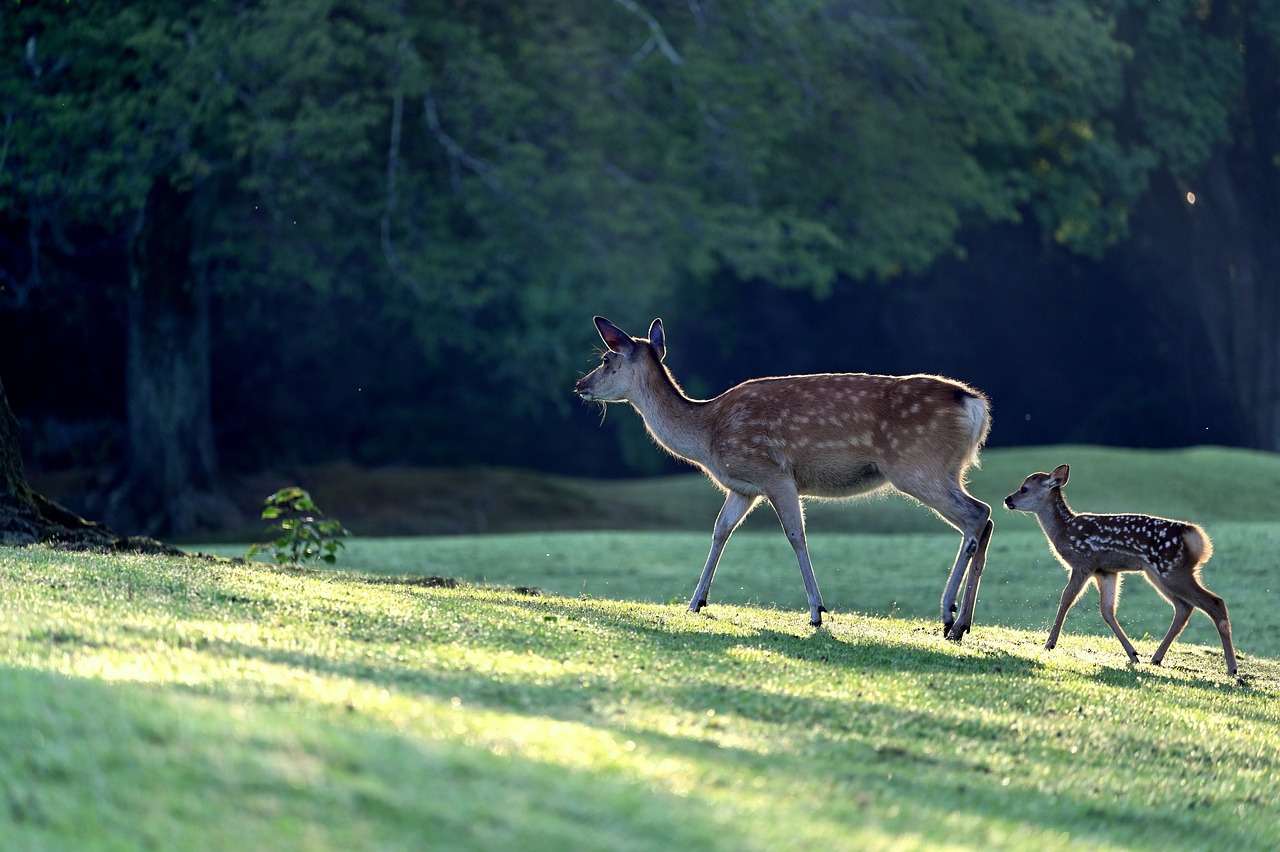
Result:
[1037,489]
[626,365]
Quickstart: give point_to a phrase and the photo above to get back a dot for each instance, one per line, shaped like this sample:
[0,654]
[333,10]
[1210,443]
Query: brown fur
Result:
[829,435]
[1169,553]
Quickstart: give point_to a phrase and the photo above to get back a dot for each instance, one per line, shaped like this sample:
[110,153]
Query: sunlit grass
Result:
[187,704]
[888,575]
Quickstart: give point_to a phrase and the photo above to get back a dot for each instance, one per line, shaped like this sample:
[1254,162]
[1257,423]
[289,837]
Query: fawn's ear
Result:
[658,339]
[615,338]
[1058,478]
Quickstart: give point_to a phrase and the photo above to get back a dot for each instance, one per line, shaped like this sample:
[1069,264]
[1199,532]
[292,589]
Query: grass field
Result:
[158,703]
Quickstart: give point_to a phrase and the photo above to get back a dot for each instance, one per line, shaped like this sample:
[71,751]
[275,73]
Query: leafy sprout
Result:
[304,533]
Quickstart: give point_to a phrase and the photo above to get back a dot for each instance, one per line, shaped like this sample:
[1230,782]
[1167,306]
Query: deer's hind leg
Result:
[1181,615]
[1185,593]
[947,497]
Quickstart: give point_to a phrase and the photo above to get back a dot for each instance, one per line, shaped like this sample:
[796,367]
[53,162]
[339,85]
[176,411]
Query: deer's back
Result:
[839,434]
[1135,542]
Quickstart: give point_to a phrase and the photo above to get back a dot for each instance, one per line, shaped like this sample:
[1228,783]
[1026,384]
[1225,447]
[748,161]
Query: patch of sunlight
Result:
[526,665]
[504,734]
[532,737]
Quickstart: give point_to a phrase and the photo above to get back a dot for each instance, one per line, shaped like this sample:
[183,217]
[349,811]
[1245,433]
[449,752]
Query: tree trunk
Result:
[1235,249]
[1215,249]
[1240,290]
[29,518]
[170,458]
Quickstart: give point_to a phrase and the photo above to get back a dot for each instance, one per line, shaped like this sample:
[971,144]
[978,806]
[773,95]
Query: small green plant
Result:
[305,534]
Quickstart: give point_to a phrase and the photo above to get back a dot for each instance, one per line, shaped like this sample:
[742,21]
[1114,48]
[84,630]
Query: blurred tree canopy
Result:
[441,194]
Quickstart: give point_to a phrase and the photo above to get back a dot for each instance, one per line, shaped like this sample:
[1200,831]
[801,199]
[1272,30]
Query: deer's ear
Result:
[1059,476]
[658,339]
[615,338]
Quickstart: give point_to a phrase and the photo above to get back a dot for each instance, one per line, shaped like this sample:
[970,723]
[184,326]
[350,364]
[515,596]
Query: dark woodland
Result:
[257,235]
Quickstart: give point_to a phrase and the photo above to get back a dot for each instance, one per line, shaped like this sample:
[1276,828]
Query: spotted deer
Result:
[826,436]
[1101,547]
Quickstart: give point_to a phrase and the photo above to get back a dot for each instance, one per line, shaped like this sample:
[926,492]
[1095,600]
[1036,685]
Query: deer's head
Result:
[626,366]
[1037,489]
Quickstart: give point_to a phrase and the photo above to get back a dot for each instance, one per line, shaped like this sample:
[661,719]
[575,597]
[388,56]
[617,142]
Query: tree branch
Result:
[393,195]
[482,168]
[659,35]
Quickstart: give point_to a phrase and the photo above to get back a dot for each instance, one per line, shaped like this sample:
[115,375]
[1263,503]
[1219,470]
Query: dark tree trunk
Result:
[1236,251]
[1240,290]
[170,458]
[30,518]
[1211,241]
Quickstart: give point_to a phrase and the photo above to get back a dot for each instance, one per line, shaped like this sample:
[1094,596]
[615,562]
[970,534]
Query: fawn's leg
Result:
[1216,609]
[1223,622]
[736,507]
[1192,594]
[1070,594]
[1182,587]
[1181,614]
[1108,592]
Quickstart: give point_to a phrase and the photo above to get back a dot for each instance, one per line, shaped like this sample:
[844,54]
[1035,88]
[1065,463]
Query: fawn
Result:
[829,436]
[1100,547]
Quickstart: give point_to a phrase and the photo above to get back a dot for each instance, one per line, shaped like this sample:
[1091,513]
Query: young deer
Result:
[830,435]
[1100,547]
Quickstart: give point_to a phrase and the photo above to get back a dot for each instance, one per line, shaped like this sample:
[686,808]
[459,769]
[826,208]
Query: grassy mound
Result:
[153,702]
[161,702]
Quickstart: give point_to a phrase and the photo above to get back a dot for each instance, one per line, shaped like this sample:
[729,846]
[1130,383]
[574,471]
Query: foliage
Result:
[480,162]
[472,175]
[156,702]
[305,534]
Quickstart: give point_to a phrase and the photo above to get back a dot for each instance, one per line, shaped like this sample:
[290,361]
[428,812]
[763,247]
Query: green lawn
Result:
[158,703]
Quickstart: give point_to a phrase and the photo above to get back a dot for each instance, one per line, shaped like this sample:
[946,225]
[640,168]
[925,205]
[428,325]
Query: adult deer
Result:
[1100,547]
[831,435]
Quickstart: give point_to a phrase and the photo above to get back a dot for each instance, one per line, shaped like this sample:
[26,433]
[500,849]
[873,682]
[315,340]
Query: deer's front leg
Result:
[1108,592]
[1070,594]
[736,507]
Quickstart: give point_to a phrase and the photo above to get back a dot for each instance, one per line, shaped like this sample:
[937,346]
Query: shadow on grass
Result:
[89,764]
[881,751]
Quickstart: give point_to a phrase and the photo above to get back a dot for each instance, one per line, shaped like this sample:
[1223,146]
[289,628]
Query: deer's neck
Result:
[1055,516]
[674,420]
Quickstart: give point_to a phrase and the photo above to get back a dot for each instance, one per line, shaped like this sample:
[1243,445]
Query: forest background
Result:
[259,234]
